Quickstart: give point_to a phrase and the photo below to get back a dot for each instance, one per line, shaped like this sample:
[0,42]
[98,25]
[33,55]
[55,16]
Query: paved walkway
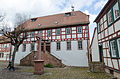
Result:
[6,74]
[23,72]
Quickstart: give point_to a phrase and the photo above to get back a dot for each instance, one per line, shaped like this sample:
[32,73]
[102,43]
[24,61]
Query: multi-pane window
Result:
[69,45]
[118,43]
[58,45]
[110,19]
[32,34]
[113,48]
[79,29]
[116,11]
[24,48]
[41,32]
[25,34]
[99,27]
[58,31]
[32,46]
[79,45]
[1,55]
[68,30]
[48,33]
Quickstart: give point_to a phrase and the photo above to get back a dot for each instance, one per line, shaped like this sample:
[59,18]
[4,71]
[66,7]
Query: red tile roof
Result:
[57,20]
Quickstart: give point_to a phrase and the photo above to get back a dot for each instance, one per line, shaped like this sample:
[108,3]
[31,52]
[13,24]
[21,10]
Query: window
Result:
[1,55]
[116,11]
[79,29]
[110,19]
[68,45]
[68,14]
[32,34]
[68,30]
[32,46]
[118,43]
[24,48]
[113,48]
[58,45]
[41,32]
[58,31]
[49,33]
[25,34]
[79,45]
[33,19]
[99,27]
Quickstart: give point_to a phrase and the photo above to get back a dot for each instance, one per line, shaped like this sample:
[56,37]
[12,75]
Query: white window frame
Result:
[80,47]
[68,45]
[79,29]
[99,27]
[58,32]
[68,31]
[110,18]
[40,32]
[32,34]
[113,49]
[58,46]
[48,33]
[116,11]
[32,48]
[118,44]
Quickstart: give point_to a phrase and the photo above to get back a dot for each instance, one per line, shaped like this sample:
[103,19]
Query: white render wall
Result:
[73,57]
[20,54]
[95,49]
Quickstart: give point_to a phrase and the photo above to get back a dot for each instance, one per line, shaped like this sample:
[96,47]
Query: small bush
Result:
[49,65]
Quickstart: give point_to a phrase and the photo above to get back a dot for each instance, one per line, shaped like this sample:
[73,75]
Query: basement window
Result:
[33,19]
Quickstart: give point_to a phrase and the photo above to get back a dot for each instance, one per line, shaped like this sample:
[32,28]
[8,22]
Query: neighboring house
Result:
[108,27]
[4,48]
[65,35]
[94,50]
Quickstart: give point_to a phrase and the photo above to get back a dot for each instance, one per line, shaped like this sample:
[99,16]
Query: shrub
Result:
[49,65]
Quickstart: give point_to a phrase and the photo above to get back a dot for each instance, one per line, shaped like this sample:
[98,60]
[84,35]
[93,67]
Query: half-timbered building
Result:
[65,35]
[5,47]
[108,27]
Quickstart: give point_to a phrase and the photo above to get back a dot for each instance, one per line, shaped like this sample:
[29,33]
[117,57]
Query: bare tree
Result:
[16,39]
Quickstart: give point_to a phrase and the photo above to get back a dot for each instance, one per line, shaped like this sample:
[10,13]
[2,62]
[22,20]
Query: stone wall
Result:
[47,57]
[96,67]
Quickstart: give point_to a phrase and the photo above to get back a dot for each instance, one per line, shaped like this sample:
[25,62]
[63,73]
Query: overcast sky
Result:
[37,8]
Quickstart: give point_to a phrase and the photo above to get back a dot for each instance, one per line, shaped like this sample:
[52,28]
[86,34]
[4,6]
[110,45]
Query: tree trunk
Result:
[13,56]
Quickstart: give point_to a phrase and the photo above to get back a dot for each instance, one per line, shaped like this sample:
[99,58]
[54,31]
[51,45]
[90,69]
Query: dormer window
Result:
[67,14]
[33,19]
[56,22]
[39,25]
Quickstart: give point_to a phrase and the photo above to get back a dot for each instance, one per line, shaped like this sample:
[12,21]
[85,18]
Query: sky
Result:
[38,8]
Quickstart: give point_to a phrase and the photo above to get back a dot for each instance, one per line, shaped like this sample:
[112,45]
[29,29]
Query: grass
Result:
[68,73]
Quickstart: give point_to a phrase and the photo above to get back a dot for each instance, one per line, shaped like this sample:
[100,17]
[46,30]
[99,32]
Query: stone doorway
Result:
[45,47]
